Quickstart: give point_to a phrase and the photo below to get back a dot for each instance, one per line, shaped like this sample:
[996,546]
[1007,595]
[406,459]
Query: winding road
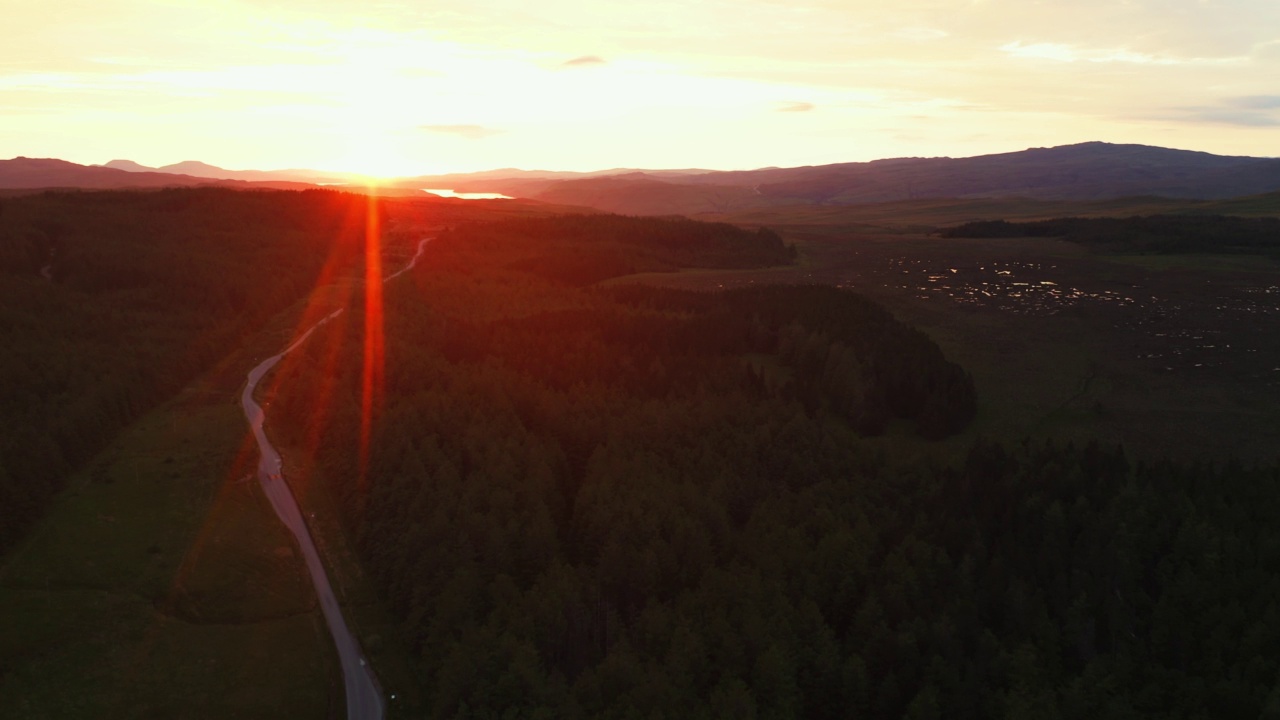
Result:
[364,697]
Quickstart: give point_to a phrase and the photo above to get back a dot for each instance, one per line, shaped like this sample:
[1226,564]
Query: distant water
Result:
[466,195]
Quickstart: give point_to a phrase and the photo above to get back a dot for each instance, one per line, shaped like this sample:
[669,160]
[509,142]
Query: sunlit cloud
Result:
[1267,50]
[1227,117]
[920,34]
[584,61]
[1253,111]
[796,107]
[1067,53]
[470,132]
[1256,102]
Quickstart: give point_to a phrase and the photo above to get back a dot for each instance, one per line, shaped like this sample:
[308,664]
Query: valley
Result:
[562,461]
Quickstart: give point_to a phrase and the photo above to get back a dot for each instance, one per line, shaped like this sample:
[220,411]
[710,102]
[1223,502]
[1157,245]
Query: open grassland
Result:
[161,585]
[1166,354]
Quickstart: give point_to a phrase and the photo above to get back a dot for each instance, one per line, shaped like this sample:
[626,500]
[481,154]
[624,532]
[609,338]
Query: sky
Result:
[391,87]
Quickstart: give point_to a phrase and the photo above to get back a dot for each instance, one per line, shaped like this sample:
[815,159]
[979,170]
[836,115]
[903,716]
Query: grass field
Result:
[1165,354]
[160,585]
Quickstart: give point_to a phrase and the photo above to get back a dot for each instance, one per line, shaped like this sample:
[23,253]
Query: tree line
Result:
[1163,234]
[584,249]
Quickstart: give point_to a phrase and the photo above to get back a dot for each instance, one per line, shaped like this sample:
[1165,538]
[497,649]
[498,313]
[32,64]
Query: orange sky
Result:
[391,87]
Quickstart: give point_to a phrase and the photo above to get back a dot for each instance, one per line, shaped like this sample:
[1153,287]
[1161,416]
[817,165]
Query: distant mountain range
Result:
[195,168]
[37,173]
[1087,171]
[23,174]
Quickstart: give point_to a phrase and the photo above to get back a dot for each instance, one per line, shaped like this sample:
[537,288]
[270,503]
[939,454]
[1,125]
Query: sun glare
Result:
[371,149]
[372,377]
[376,166]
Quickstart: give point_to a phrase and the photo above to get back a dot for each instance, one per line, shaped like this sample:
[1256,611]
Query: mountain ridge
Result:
[1093,170]
[1083,171]
[197,168]
[24,173]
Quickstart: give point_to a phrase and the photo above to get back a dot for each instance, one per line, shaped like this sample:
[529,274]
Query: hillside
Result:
[645,194]
[1086,171]
[199,169]
[33,173]
[1091,171]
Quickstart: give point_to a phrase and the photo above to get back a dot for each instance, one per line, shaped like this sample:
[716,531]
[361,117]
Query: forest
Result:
[1159,234]
[621,501]
[112,301]
[585,497]
[584,249]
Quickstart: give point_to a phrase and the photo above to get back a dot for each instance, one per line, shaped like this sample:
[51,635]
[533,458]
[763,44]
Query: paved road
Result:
[364,697]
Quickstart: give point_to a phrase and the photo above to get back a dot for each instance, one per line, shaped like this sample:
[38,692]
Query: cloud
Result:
[920,34]
[470,132]
[1069,54]
[796,107]
[1254,111]
[584,61]
[1267,50]
[1256,102]
[1040,51]
[1241,118]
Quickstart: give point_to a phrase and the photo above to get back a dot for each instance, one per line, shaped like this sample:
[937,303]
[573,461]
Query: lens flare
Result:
[372,374]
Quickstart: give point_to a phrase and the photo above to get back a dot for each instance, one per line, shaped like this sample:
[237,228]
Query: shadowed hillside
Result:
[1087,171]
[34,173]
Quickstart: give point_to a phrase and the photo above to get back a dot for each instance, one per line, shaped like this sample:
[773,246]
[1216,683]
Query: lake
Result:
[466,195]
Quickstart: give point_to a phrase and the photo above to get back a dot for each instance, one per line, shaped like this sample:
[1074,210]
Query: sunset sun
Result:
[375,156]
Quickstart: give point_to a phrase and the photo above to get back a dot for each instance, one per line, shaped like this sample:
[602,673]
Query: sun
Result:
[376,157]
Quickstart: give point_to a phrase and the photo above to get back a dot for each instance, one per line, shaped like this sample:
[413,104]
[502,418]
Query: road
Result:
[364,697]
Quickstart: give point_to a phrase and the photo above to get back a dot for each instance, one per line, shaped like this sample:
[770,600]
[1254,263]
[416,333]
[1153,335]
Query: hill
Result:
[1091,171]
[35,173]
[129,166]
[196,168]
[1086,171]
[643,194]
